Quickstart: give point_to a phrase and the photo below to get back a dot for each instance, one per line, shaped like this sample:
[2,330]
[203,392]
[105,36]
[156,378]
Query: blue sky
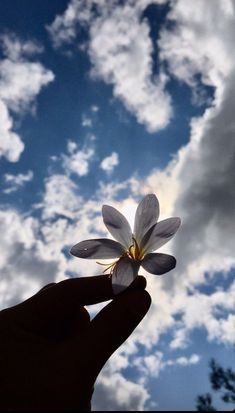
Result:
[104,102]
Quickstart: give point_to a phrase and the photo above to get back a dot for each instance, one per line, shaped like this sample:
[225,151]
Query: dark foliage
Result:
[222,380]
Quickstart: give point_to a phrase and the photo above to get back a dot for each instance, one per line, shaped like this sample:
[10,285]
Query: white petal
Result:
[124,274]
[117,225]
[160,234]
[98,248]
[158,263]
[146,216]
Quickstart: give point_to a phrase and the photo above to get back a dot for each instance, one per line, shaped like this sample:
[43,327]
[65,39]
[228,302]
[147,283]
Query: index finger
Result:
[60,301]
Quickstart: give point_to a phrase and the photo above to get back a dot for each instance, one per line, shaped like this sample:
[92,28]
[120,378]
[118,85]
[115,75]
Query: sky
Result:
[105,101]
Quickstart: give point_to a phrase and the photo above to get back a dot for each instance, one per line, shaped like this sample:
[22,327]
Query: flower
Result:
[132,249]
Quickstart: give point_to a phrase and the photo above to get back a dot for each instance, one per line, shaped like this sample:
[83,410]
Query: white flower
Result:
[132,249]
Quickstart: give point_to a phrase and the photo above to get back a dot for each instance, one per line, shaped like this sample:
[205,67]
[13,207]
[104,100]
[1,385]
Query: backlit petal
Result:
[117,225]
[160,234]
[158,263]
[124,274]
[98,249]
[146,216]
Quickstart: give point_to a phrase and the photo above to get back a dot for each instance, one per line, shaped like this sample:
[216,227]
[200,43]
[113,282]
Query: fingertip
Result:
[140,282]
[139,302]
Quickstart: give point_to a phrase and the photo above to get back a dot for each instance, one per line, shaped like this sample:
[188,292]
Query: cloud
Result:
[15,49]
[63,29]
[114,392]
[195,45]
[86,121]
[108,164]
[21,80]
[60,197]
[78,160]
[23,271]
[95,108]
[153,364]
[212,312]
[120,49]
[11,145]
[16,181]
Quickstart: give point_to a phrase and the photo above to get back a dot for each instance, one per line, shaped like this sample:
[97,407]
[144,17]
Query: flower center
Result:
[134,252]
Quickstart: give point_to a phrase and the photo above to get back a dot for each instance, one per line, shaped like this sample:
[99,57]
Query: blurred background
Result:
[104,101]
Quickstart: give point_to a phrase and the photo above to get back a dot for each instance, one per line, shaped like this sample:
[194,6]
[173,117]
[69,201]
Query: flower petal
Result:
[124,274]
[98,248]
[158,263]
[146,216]
[117,225]
[160,234]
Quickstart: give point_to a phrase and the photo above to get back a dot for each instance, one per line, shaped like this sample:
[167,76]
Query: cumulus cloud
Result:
[78,160]
[108,164]
[120,49]
[60,197]
[116,393]
[21,80]
[11,145]
[14,182]
[63,29]
[23,271]
[196,45]
[153,364]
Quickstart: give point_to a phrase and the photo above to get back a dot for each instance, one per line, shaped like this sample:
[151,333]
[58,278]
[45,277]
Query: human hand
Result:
[50,351]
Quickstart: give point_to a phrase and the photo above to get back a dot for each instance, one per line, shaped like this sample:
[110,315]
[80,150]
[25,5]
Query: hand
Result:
[50,351]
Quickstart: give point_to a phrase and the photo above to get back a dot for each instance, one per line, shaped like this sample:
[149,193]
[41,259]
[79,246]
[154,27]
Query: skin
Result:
[50,351]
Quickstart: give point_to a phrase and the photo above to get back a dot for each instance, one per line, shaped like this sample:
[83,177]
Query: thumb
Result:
[113,325]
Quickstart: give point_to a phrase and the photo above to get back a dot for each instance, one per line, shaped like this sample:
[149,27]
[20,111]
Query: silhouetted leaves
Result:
[204,403]
[222,380]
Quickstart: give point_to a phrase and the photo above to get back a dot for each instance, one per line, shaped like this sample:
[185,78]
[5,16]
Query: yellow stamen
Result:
[134,252]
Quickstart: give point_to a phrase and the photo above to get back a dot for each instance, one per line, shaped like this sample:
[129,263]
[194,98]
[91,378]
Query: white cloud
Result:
[21,80]
[60,197]
[153,364]
[213,313]
[121,52]
[23,271]
[14,182]
[86,121]
[108,164]
[120,49]
[15,49]
[184,361]
[95,108]
[114,392]
[196,45]
[11,145]
[63,28]
[78,160]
